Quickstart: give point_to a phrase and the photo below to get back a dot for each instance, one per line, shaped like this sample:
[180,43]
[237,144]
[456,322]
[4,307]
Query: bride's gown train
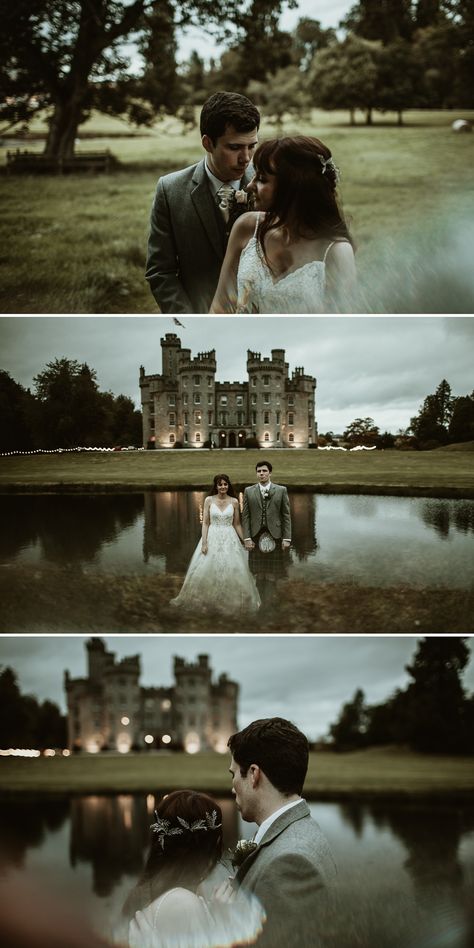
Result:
[299,291]
[219,580]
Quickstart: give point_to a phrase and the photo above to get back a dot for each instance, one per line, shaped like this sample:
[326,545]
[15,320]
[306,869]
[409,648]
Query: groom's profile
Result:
[194,209]
[291,867]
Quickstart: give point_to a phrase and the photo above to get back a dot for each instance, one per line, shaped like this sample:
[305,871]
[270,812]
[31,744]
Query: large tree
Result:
[70,55]
[431,422]
[344,76]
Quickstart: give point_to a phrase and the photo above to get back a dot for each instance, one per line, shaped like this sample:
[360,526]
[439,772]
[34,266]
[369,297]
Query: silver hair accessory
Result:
[329,163]
[164,828]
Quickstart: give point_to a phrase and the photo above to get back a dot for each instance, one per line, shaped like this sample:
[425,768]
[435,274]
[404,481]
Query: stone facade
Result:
[186,405]
[110,710]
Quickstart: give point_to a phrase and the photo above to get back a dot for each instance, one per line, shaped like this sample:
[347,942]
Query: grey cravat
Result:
[225,196]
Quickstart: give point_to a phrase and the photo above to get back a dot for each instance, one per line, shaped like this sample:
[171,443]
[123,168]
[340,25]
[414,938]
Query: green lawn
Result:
[388,772]
[443,473]
[77,244]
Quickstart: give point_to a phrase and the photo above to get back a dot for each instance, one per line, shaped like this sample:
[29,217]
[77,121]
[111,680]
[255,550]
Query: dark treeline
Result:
[69,57]
[65,410]
[24,721]
[433,714]
[442,419]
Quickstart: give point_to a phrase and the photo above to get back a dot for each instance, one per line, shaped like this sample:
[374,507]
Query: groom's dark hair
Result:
[228,108]
[264,464]
[278,748]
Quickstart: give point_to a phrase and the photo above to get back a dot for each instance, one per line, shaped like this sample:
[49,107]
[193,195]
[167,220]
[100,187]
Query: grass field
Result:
[77,244]
[440,473]
[387,772]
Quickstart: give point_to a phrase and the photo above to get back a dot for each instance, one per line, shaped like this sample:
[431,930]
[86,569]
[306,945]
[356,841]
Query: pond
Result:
[367,540]
[406,872]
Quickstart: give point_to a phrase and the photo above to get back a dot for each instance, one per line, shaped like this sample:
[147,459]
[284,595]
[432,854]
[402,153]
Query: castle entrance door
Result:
[242,437]
[222,439]
[232,439]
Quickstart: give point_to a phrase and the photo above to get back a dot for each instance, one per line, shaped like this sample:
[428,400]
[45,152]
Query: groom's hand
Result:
[249,544]
[285,544]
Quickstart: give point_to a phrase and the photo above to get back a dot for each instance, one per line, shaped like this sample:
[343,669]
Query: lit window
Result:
[198,436]
[291,438]
[172,439]
[266,436]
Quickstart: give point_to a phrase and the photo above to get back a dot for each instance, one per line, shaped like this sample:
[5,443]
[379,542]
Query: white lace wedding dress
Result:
[181,919]
[219,580]
[299,291]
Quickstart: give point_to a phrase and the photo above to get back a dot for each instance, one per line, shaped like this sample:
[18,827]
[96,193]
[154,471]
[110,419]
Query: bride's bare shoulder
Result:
[245,225]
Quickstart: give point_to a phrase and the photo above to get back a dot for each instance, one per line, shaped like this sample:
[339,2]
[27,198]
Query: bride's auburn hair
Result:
[216,481]
[179,859]
[305,197]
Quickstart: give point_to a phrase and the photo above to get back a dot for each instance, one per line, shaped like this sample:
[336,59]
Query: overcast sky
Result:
[304,678]
[380,367]
[328,12]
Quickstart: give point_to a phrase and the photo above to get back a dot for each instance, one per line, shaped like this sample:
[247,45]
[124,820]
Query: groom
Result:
[266,510]
[291,867]
[194,209]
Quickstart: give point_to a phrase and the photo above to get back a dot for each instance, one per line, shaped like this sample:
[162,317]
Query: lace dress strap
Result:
[259,214]
[341,240]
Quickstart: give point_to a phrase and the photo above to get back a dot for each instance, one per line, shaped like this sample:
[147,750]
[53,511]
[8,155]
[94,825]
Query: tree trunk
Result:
[400,118]
[368,119]
[352,115]
[65,121]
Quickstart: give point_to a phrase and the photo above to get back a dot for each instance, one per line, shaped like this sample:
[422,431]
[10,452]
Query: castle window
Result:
[291,418]
[266,418]
[172,439]
[291,438]
[278,417]
[254,399]
[197,379]
[291,400]
[197,398]
[223,399]
[240,418]
[278,437]
[184,381]
[266,380]
[266,436]
[254,380]
[185,399]
[254,417]
[152,424]
[171,401]
[186,418]
[209,399]
[239,400]
[198,436]
[209,380]
[197,417]
[209,417]
[172,418]
[185,437]
[266,398]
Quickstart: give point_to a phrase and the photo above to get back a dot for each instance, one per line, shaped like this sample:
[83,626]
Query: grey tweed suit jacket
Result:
[187,241]
[290,872]
[278,512]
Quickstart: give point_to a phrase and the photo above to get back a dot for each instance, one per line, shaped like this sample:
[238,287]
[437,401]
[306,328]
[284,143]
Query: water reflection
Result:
[357,539]
[405,871]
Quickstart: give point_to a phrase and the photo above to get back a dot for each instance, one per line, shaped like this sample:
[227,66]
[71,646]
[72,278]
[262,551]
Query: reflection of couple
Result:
[292,255]
[282,876]
[219,577]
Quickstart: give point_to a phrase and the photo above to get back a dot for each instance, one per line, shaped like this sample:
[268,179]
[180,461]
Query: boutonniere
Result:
[243,849]
[245,198]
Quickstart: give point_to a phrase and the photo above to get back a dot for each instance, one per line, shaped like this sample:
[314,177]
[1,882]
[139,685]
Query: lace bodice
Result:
[221,518]
[300,291]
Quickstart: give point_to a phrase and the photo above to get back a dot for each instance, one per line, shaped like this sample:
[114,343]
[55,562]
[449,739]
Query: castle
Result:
[185,405]
[110,710]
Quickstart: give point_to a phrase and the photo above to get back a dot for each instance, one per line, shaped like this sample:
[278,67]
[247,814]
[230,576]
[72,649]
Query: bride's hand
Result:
[225,892]
[204,547]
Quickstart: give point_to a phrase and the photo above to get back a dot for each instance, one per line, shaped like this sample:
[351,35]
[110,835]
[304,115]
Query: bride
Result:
[220,560]
[294,254]
[165,909]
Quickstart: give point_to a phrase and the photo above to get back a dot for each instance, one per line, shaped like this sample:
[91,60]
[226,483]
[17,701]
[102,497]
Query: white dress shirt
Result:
[215,184]
[262,829]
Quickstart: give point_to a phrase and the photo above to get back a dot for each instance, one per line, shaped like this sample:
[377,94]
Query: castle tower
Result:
[196,396]
[193,688]
[170,352]
[267,396]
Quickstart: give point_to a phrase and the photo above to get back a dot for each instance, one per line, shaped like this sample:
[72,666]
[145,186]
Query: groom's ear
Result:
[255,775]
[207,143]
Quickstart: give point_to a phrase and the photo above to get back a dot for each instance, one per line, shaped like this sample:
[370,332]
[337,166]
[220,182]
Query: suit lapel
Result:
[298,812]
[206,210]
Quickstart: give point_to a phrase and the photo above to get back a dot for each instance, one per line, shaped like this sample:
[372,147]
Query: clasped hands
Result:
[250,545]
